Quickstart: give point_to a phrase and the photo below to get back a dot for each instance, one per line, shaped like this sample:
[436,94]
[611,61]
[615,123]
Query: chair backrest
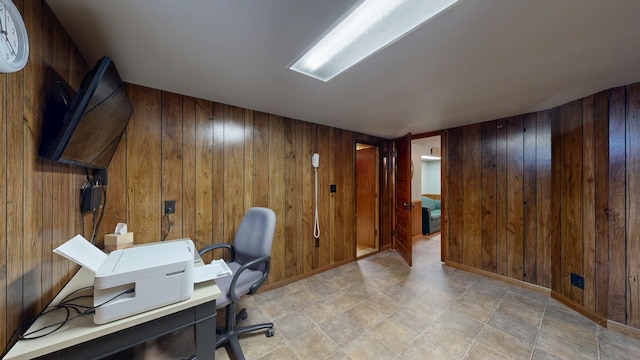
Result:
[254,235]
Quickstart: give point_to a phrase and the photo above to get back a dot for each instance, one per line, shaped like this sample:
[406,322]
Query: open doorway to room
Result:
[426,182]
[367,190]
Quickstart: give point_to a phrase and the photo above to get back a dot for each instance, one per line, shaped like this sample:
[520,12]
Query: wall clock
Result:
[14,43]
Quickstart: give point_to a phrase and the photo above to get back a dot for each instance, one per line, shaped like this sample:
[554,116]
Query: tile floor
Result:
[379,308]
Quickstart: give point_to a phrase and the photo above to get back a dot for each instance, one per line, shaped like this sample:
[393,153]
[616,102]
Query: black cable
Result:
[67,306]
[168,227]
[96,227]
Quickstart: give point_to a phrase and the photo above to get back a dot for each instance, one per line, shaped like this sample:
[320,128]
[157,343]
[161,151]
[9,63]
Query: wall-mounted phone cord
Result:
[316,225]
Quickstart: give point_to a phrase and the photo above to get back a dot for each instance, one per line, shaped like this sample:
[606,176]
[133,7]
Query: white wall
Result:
[416,181]
[430,177]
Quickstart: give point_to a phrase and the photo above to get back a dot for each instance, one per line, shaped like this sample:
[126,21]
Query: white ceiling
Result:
[480,60]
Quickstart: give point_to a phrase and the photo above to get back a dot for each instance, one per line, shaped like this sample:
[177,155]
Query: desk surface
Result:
[83,329]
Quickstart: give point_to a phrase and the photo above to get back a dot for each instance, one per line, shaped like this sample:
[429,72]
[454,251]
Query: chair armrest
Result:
[211,247]
[232,288]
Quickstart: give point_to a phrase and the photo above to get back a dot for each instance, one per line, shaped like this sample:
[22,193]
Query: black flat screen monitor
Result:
[85,128]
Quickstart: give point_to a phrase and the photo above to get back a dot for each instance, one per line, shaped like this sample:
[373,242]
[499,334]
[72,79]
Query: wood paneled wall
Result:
[499,186]
[215,160]
[218,160]
[39,199]
[539,196]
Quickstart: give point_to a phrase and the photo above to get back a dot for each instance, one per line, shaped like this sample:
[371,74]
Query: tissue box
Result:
[117,241]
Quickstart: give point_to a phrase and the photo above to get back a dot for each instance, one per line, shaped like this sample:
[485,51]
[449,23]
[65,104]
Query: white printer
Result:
[141,278]
[137,279]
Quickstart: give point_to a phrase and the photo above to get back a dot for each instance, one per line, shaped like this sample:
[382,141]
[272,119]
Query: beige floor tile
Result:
[366,347]
[481,352]
[324,289]
[382,303]
[513,327]
[315,345]
[461,323]
[614,345]
[455,343]
[304,298]
[321,311]
[294,325]
[421,349]
[341,329]
[278,308]
[412,319]
[392,334]
[343,301]
[257,344]
[364,315]
[555,344]
[285,352]
[504,343]
[339,355]
[585,338]
[520,313]
[526,298]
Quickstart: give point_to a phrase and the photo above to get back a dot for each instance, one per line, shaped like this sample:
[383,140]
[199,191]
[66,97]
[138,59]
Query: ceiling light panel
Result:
[371,26]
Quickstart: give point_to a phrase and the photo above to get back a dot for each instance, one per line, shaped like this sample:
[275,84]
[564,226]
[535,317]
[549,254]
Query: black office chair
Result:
[250,263]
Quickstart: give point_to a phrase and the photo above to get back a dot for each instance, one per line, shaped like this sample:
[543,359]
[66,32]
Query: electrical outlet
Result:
[577,281]
[100,177]
[169,207]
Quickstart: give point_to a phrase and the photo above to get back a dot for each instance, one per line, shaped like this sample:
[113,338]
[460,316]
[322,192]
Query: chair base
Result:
[229,335]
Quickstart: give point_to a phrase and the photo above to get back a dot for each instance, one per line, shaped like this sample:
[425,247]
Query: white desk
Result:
[80,338]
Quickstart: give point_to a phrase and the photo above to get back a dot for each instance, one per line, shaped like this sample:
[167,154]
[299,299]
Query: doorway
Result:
[426,186]
[367,203]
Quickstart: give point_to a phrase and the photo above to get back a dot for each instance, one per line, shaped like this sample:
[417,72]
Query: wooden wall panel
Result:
[633,205]
[489,201]
[209,202]
[144,166]
[544,203]
[556,192]
[501,197]
[530,225]
[601,123]
[232,155]
[338,172]
[276,195]
[472,200]
[455,197]
[616,303]
[172,155]
[323,194]
[515,198]
[189,201]
[588,201]
[571,198]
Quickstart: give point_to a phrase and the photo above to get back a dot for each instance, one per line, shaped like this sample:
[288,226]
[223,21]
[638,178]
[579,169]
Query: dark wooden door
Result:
[402,147]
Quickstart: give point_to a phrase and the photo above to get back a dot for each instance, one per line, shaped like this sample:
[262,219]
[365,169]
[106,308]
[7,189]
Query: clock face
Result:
[14,44]
[9,45]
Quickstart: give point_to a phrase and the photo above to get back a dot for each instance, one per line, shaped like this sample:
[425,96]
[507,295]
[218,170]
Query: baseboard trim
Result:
[580,309]
[506,279]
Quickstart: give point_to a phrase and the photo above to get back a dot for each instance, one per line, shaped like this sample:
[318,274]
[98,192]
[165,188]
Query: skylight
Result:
[370,27]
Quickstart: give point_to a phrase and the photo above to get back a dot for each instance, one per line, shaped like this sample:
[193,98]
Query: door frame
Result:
[444,224]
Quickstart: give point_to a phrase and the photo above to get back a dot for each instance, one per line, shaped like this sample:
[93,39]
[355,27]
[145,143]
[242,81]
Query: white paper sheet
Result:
[82,252]
[217,269]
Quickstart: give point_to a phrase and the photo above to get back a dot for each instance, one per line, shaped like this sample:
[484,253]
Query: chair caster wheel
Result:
[270,332]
